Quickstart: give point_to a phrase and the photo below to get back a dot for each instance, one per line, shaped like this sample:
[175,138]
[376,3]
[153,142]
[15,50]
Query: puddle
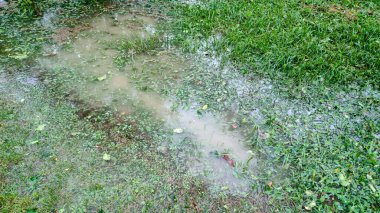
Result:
[3,3]
[138,85]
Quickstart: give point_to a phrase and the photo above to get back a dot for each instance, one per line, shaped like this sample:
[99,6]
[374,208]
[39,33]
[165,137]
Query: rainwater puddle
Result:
[92,55]
[3,3]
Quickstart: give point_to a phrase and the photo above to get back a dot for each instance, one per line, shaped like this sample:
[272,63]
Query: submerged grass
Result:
[324,135]
[321,154]
[23,31]
[131,47]
[56,161]
[294,41]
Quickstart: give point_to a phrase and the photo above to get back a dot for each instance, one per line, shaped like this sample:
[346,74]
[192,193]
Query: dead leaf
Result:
[229,160]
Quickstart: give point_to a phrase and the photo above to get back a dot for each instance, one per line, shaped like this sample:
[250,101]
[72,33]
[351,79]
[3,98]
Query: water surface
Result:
[92,55]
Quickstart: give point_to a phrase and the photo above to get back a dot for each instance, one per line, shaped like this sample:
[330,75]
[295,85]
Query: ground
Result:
[126,106]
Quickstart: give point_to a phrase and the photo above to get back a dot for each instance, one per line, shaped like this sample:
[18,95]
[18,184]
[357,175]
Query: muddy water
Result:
[90,55]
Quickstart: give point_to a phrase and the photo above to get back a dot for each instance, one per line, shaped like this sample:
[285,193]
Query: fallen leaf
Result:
[75,133]
[101,78]
[178,130]
[41,127]
[32,142]
[308,193]
[106,157]
[205,107]
[372,188]
[270,183]
[229,160]
[369,177]
[343,180]
[310,205]
[224,188]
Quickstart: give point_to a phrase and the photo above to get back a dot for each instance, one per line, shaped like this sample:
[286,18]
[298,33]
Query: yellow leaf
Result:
[372,188]
[343,180]
[308,193]
[41,127]
[101,78]
[106,157]
[20,56]
[310,205]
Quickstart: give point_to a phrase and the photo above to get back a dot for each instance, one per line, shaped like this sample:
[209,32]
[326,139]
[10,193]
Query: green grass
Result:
[131,47]
[324,150]
[294,41]
[318,147]
[323,137]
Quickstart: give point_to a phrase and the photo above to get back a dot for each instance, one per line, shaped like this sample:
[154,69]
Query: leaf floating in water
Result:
[229,160]
[41,127]
[102,78]
[224,188]
[178,130]
[106,157]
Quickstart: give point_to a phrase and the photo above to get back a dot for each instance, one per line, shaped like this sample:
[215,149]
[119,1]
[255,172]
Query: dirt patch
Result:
[350,14]
[62,35]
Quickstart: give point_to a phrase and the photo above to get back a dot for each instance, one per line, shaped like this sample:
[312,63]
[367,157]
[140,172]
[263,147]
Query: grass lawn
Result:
[301,76]
[293,41]
[323,60]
